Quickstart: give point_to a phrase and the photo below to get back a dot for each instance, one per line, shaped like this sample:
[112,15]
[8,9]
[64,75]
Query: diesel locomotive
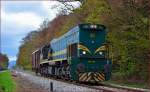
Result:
[81,54]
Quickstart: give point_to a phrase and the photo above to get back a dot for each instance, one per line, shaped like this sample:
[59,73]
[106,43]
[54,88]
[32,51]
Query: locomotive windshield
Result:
[92,39]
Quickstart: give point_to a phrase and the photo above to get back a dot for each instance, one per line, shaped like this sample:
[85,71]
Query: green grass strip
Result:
[7,84]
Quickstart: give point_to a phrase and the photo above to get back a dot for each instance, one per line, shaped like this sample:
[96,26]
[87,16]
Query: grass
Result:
[136,85]
[7,84]
[117,78]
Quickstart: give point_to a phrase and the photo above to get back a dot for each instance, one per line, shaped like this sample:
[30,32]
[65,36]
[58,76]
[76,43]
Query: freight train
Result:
[81,54]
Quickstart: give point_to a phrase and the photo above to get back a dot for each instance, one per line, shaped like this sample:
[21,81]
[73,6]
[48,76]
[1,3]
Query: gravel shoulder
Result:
[27,82]
[24,85]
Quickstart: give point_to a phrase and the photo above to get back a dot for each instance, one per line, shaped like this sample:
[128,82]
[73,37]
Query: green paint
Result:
[90,40]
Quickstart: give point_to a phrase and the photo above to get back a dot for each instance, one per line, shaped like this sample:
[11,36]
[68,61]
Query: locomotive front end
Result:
[93,62]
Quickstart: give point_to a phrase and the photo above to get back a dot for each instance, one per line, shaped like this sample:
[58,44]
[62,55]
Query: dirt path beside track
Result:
[24,85]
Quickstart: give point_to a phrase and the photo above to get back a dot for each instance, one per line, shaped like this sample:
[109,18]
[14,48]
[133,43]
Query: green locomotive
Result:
[81,54]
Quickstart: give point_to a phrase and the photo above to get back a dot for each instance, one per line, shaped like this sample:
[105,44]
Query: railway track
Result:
[104,87]
[99,88]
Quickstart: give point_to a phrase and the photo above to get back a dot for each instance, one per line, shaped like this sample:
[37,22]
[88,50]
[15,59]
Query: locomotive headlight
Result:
[93,26]
[100,53]
[84,52]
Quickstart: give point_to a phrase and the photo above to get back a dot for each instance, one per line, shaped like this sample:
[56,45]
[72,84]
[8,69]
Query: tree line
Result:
[127,21]
[3,61]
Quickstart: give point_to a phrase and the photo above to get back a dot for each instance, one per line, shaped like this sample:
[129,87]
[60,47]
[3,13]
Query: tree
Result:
[127,21]
[128,24]
[3,61]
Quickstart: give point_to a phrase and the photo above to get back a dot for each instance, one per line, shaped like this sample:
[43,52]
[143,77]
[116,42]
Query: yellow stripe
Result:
[49,54]
[84,79]
[59,52]
[95,74]
[59,59]
[96,79]
[101,76]
[82,76]
[89,78]
[52,60]
[89,73]
[101,48]
[83,48]
[45,62]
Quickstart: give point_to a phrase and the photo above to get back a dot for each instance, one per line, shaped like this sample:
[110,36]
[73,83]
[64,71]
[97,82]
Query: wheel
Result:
[68,75]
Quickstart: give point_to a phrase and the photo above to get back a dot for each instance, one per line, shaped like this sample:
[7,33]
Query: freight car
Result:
[81,54]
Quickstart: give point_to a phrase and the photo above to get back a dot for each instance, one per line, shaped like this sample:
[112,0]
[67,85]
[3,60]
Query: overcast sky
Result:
[21,17]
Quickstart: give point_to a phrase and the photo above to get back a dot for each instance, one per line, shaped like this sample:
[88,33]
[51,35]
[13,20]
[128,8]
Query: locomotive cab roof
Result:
[86,26]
